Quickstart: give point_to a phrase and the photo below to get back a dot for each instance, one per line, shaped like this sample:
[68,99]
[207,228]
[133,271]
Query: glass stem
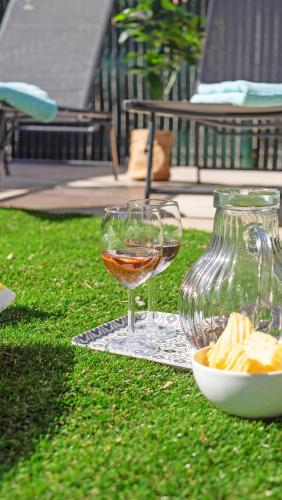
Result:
[151,298]
[131,315]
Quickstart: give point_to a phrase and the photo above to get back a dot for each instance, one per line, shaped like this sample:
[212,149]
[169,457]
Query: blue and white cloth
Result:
[239,93]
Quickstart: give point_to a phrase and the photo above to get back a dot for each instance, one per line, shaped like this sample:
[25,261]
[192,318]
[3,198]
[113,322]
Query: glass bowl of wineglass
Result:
[131,249]
[172,234]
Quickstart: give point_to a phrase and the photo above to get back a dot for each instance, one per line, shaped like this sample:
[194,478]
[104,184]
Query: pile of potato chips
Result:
[241,349]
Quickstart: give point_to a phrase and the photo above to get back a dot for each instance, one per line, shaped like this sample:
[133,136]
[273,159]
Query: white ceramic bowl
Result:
[243,394]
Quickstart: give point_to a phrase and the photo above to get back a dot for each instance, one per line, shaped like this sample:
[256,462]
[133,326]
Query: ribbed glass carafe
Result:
[241,270]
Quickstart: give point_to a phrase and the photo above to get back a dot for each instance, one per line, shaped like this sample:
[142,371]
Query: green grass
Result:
[78,424]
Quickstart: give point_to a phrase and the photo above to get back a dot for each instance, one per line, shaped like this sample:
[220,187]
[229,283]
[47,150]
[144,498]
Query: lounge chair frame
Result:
[85,122]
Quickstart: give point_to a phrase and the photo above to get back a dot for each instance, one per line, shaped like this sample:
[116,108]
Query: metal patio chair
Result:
[243,42]
[56,45]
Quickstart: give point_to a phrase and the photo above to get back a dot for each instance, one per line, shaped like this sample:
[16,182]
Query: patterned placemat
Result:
[175,351]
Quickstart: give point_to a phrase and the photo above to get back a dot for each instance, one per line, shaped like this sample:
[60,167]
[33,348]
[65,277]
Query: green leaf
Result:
[124,36]
[156,84]
[122,15]
[166,4]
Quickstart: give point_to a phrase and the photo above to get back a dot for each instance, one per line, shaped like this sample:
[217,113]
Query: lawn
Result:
[78,424]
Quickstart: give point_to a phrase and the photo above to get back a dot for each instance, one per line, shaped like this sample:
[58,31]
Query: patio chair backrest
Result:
[243,41]
[54,44]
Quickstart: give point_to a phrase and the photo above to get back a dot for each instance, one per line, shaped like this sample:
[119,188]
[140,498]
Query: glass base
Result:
[136,347]
[155,331]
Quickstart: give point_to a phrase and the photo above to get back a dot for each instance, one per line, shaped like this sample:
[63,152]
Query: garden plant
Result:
[171,36]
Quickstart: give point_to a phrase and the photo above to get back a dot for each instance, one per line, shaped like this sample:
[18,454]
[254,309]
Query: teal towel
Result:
[239,93]
[29,99]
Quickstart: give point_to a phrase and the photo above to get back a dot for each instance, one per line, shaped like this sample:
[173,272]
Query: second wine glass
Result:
[172,234]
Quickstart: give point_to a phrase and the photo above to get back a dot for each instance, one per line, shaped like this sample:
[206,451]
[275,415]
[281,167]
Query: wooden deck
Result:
[88,189]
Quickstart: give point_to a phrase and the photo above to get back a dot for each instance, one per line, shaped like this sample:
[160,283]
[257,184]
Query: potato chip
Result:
[241,349]
[264,349]
[237,360]
[277,357]
[237,329]
[260,347]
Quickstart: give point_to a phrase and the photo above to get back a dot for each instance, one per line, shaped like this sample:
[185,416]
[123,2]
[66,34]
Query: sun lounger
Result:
[243,42]
[56,45]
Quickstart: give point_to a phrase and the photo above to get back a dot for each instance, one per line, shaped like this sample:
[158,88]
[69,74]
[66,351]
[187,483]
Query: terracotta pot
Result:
[137,166]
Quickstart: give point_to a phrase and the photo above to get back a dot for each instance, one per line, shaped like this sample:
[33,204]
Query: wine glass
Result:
[172,233]
[131,248]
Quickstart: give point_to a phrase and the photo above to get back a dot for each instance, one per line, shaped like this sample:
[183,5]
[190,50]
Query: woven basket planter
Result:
[137,166]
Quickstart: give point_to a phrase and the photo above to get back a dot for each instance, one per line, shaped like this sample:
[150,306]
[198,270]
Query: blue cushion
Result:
[29,99]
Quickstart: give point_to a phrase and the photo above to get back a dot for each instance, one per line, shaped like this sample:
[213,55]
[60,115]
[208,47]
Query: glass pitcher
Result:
[241,270]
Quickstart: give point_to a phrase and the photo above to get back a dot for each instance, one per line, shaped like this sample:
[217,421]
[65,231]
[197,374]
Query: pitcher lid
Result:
[240,198]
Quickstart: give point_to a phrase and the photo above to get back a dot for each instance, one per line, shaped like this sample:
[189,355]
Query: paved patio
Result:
[88,189]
